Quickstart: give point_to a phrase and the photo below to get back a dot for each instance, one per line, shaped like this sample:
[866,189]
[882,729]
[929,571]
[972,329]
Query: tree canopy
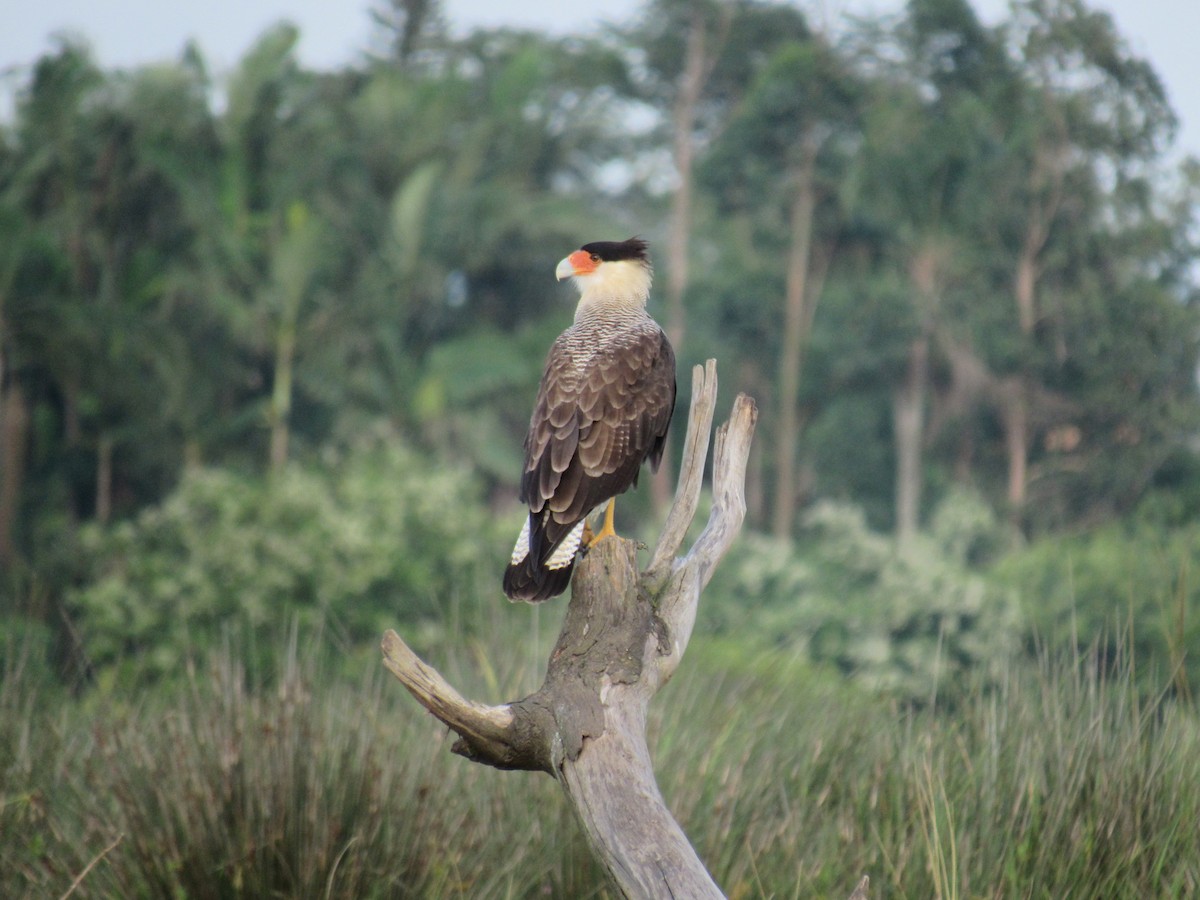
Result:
[943,256]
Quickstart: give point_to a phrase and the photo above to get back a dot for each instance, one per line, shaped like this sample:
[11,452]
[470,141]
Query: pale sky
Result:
[333,32]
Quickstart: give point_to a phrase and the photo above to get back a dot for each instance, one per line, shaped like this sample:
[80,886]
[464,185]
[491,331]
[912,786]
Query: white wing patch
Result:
[521,550]
[561,557]
[565,553]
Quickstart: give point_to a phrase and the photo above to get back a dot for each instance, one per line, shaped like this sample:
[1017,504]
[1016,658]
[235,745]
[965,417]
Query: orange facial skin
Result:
[582,262]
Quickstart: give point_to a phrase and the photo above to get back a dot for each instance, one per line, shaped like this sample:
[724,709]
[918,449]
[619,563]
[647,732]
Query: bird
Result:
[603,407]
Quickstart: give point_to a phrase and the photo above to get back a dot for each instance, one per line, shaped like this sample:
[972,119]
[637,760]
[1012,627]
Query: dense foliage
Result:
[978,221]
[1131,585]
[916,621]
[268,341]
[369,539]
[944,257]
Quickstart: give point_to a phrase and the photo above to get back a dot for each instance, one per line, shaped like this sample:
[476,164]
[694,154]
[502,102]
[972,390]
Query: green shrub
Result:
[912,620]
[1128,587]
[354,545]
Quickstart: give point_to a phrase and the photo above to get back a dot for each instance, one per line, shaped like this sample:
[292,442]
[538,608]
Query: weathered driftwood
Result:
[623,637]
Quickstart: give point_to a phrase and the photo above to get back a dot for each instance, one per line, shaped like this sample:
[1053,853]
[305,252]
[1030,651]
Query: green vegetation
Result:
[1133,578]
[943,257]
[315,546]
[268,342]
[1057,781]
[912,621]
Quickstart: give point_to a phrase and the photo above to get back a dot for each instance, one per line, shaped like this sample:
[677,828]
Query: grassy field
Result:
[317,783]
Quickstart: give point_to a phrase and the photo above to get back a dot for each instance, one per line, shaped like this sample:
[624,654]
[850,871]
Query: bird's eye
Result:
[595,257]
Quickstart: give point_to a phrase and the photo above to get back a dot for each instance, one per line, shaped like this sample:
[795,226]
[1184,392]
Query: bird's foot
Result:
[607,530]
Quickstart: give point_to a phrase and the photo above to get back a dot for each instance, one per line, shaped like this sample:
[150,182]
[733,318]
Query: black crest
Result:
[612,251]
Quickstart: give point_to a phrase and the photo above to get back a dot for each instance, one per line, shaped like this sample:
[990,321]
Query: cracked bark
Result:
[623,637]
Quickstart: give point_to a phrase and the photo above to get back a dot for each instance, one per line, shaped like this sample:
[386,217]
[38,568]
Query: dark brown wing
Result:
[591,430]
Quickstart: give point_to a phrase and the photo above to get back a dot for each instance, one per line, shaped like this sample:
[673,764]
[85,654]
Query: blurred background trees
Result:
[953,262]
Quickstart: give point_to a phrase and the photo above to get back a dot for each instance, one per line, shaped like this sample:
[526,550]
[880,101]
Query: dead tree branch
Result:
[623,637]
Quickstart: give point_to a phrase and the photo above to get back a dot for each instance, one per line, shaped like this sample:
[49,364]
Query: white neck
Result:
[619,283]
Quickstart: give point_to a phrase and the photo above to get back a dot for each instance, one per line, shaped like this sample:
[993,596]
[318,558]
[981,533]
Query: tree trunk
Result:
[14,433]
[908,417]
[281,393]
[1046,186]
[1025,284]
[800,303]
[1015,408]
[750,375]
[964,457]
[908,399]
[1014,413]
[104,476]
[697,66]
[683,124]
[72,426]
[756,491]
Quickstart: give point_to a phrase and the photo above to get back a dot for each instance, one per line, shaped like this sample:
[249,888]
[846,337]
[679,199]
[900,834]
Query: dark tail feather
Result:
[533,584]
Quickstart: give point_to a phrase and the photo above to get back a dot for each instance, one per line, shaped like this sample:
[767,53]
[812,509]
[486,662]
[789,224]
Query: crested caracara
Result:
[602,409]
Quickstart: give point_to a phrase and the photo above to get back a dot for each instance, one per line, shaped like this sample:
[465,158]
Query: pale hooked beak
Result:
[564,269]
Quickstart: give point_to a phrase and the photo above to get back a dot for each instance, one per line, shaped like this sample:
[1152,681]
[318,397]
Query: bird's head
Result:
[616,269]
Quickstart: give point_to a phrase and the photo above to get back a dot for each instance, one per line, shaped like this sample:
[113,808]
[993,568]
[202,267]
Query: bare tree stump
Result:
[623,637]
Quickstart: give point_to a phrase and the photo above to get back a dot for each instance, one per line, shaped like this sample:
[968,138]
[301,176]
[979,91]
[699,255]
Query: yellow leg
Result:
[607,530]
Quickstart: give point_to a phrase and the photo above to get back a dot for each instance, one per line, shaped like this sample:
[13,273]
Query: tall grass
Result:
[313,787]
[1060,783]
